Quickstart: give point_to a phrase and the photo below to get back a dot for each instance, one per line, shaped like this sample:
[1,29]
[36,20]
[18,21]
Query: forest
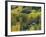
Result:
[25,18]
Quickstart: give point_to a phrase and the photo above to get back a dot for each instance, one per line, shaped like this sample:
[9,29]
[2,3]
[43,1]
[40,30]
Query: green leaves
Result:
[24,19]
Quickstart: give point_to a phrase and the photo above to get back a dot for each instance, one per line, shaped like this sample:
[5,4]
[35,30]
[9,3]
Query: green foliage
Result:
[23,18]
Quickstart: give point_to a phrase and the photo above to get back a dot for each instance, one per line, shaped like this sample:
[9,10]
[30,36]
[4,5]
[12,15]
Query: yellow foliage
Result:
[16,27]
